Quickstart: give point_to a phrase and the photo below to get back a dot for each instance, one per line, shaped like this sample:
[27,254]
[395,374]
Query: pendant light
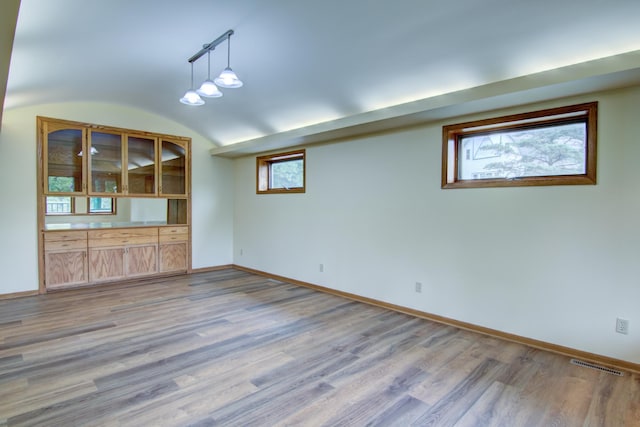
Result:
[227,78]
[191,97]
[208,88]
[93,152]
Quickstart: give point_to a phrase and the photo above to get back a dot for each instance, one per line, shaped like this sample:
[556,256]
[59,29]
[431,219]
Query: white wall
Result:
[556,264]
[212,188]
[147,209]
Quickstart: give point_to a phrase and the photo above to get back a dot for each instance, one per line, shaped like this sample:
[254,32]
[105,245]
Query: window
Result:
[68,205]
[102,205]
[281,173]
[57,205]
[549,147]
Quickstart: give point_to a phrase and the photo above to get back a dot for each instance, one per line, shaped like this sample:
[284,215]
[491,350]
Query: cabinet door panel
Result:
[173,168]
[142,260]
[173,257]
[106,263]
[63,149]
[141,165]
[106,162]
[65,268]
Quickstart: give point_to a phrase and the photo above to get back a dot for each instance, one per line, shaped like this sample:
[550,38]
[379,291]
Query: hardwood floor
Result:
[235,349]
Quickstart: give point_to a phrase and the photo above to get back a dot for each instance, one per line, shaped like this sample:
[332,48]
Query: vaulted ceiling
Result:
[316,67]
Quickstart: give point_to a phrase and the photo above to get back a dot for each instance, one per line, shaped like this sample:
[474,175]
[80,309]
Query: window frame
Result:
[72,204]
[451,135]
[263,172]
[114,209]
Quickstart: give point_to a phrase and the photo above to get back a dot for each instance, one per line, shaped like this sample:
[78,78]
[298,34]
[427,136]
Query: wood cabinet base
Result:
[173,257]
[66,268]
[111,255]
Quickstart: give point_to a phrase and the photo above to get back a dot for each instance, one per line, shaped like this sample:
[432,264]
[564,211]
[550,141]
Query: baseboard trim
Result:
[19,294]
[541,345]
[208,269]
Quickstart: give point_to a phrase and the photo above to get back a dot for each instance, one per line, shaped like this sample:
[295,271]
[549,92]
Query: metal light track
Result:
[211,46]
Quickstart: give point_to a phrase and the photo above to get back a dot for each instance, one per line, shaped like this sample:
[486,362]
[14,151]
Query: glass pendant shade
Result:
[209,89]
[93,152]
[191,97]
[228,79]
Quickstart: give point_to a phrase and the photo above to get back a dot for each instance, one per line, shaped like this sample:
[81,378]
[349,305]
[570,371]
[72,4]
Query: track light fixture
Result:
[209,88]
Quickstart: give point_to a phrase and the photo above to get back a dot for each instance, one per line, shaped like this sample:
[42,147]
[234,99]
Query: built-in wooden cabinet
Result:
[79,160]
[119,162]
[123,253]
[95,256]
[173,248]
[65,258]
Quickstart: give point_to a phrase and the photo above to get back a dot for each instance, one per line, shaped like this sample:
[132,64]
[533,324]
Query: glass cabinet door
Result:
[106,162]
[63,150]
[141,165]
[173,168]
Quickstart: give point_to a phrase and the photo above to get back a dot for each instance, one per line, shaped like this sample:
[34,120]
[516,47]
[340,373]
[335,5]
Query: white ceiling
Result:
[302,62]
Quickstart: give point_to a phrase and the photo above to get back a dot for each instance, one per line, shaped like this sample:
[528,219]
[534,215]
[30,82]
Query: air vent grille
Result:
[597,367]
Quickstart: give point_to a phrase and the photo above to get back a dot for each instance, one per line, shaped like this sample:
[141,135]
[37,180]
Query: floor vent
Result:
[597,367]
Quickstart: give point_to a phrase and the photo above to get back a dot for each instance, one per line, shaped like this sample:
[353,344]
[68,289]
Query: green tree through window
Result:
[287,174]
[551,150]
[62,184]
[556,146]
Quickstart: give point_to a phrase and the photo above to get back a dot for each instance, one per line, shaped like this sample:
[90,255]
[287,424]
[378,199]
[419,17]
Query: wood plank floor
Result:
[234,349]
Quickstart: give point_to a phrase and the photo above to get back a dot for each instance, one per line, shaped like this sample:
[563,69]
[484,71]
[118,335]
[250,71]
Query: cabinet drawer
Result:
[56,236]
[134,236]
[182,237]
[123,233]
[165,231]
[174,234]
[62,245]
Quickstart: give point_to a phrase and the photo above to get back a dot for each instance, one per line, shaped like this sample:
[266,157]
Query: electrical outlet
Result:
[418,287]
[321,268]
[622,326]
